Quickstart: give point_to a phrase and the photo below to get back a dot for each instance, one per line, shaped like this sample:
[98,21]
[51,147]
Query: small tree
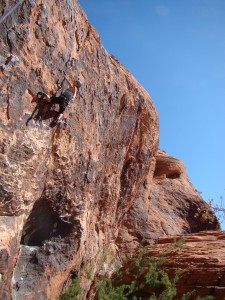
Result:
[207,209]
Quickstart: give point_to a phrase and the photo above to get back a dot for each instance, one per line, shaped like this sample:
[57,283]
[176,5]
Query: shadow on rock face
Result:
[49,242]
[44,224]
[43,110]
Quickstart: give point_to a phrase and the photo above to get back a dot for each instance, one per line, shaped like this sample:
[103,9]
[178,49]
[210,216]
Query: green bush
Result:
[205,298]
[73,291]
[142,278]
[146,279]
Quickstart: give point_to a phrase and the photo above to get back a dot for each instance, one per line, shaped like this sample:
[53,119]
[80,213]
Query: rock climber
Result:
[63,100]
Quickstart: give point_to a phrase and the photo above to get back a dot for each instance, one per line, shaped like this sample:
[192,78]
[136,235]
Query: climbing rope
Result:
[10,11]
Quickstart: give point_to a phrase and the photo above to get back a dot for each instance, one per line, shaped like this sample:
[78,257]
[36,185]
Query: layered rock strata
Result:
[202,260]
[93,184]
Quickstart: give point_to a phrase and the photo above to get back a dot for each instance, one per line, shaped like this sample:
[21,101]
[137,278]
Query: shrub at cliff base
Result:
[140,278]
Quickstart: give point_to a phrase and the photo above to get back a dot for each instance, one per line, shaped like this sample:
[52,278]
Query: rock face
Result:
[166,204]
[202,259]
[94,184]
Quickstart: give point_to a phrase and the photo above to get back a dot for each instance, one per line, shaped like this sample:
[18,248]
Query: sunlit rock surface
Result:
[202,260]
[94,184]
[166,204]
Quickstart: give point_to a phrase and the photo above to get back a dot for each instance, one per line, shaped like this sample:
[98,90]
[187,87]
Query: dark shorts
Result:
[61,101]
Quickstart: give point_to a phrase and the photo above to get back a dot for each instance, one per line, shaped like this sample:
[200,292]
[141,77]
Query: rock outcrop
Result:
[166,204]
[96,182]
[201,259]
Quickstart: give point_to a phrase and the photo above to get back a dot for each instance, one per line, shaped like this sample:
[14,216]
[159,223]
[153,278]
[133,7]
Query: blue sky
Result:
[176,50]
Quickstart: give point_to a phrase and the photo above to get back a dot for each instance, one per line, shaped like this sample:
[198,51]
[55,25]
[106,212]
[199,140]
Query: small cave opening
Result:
[173,176]
[44,224]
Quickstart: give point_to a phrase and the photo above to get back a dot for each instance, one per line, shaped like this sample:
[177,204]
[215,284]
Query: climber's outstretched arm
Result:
[73,88]
[75,93]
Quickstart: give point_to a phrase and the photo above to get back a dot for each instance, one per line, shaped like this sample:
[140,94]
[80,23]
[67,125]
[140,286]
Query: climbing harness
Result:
[10,11]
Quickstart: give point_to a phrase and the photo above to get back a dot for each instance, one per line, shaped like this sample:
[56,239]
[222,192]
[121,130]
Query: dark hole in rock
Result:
[44,224]
[173,176]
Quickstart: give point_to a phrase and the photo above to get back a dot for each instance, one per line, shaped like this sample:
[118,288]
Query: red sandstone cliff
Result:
[97,181]
[202,259]
[199,259]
